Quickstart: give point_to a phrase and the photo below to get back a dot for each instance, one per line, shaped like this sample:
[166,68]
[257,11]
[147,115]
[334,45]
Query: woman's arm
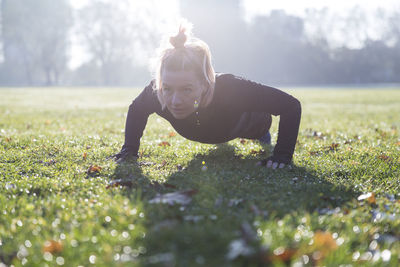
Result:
[252,96]
[140,109]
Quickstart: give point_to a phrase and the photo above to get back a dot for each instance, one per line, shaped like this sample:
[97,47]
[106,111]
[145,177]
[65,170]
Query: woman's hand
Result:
[274,165]
[124,155]
[275,162]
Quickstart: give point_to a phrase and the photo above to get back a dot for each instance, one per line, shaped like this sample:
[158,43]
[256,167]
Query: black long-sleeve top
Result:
[232,97]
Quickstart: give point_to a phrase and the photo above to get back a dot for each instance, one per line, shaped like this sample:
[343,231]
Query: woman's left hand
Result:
[275,162]
[274,165]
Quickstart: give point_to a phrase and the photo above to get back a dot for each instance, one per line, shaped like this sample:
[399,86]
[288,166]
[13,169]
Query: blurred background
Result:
[109,43]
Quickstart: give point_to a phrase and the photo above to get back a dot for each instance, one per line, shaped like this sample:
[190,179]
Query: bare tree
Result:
[111,32]
[35,40]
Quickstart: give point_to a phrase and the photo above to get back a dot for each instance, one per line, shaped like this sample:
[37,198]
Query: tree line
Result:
[274,49]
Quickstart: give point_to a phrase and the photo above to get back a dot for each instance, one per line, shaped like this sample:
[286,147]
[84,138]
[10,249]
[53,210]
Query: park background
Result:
[109,43]
[68,72]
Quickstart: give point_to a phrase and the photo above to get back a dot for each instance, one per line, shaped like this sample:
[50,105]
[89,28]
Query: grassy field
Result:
[338,205]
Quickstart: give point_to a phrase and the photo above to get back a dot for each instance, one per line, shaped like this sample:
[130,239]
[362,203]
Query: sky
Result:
[335,21]
[259,7]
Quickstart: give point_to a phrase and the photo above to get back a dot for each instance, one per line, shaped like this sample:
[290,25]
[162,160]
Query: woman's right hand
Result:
[124,155]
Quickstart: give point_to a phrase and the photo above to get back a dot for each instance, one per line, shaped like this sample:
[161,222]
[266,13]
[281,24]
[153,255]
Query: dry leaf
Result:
[52,246]
[384,157]
[84,156]
[333,147]
[93,169]
[398,143]
[370,197]
[164,143]
[243,141]
[283,254]
[323,245]
[180,197]
[172,134]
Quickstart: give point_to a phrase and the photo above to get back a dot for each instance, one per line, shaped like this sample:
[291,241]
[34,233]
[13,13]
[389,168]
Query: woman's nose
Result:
[177,100]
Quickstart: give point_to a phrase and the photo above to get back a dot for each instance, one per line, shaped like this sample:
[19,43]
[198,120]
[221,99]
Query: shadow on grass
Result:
[231,190]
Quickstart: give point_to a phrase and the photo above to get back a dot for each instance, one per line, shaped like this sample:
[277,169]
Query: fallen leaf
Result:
[370,197]
[52,246]
[164,143]
[84,156]
[180,197]
[172,134]
[47,122]
[323,244]
[93,169]
[333,147]
[243,141]
[384,157]
[283,254]
[398,143]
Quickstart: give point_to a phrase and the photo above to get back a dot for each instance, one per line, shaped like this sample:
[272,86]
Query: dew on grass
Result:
[133,211]
[48,256]
[28,243]
[127,249]
[113,232]
[117,257]
[92,259]
[340,241]
[386,255]
[60,260]
[125,235]
[74,243]
[356,256]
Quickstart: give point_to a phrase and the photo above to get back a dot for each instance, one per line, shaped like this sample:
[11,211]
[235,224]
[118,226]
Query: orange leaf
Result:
[164,143]
[369,197]
[398,143]
[243,141]
[384,157]
[52,246]
[84,156]
[283,254]
[94,168]
[172,134]
[324,243]
[333,147]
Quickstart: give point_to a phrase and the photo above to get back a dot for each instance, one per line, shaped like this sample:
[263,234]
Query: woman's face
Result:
[181,91]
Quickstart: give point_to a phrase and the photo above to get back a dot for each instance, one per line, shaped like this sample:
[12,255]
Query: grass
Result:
[54,212]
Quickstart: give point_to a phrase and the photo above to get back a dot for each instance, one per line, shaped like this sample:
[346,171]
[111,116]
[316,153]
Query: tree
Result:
[35,40]
[113,34]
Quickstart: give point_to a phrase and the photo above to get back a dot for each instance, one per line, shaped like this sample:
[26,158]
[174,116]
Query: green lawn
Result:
[339,204]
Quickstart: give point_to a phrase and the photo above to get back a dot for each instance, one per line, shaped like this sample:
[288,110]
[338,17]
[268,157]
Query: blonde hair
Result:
[186,53]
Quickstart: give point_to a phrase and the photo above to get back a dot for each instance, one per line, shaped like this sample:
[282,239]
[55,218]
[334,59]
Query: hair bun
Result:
[179,40]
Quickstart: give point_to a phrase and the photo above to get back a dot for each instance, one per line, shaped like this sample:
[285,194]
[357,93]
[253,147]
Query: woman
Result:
[210,107]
